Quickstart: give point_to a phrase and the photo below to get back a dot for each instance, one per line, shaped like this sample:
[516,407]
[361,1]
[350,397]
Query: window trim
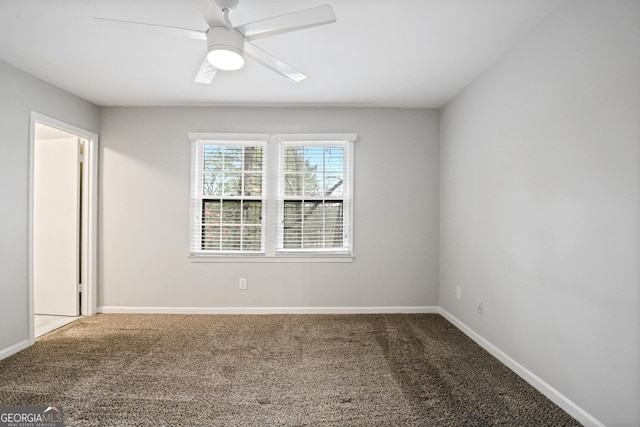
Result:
[346,199]
[271,172]
[198,141]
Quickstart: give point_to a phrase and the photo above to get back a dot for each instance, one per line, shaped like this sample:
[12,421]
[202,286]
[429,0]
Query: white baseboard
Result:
[538,383]
[269,310]
[9,351]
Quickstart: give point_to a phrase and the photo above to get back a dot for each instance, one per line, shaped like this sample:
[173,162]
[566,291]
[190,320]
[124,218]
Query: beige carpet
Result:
[279,370]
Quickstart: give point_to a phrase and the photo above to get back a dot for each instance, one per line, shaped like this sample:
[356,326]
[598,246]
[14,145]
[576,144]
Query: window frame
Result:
[198,199]
[271,214]
[346,199]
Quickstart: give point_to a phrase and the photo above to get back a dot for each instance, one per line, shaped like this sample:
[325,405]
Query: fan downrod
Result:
[227,5]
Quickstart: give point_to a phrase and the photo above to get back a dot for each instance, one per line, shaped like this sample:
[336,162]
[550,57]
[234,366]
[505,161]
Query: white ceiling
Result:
[398,53]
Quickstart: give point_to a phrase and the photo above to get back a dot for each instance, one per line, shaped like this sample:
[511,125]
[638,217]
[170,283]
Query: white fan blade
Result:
[290,22]
[161,29]
[254,52]
[211,13]
[206,73]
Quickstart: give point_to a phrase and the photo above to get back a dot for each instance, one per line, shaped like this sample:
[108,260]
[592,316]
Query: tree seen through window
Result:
[232,198]
[313,190]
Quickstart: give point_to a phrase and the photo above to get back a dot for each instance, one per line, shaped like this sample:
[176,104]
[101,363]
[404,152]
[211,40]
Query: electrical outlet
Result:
[458,293]
[243,284]
[480,307]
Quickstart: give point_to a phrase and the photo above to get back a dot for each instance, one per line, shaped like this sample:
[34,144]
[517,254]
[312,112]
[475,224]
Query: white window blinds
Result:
[315,195]
[227,194]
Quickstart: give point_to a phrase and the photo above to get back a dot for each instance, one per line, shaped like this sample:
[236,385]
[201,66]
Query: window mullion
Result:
[220,223]
[324,195]
[324,227]
[272,212]
[302,220]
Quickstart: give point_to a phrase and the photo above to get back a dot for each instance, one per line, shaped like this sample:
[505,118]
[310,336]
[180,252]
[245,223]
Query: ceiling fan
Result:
[228,46]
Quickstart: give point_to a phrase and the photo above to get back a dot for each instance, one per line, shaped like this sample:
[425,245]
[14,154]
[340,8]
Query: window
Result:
[282,197]
[314,190]
[227,196]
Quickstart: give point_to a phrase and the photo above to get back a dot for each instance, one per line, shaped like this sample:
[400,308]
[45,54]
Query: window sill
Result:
[308,258]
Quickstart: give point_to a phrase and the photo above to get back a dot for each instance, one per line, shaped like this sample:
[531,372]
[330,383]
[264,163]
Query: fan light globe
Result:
[225,47]
[225,58]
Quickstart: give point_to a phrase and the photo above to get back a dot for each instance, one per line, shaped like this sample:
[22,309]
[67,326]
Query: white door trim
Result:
[90,215]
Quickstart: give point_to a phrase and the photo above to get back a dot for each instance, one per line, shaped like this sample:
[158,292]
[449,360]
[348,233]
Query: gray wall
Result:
[540,206]
[22,93]
[144,212]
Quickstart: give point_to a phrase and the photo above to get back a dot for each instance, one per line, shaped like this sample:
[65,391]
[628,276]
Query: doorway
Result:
[63,200]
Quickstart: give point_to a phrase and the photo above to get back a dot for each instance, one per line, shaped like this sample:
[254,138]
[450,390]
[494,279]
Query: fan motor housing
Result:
[225,38]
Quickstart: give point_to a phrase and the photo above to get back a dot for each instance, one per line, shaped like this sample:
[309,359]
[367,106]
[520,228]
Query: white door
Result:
[56,226]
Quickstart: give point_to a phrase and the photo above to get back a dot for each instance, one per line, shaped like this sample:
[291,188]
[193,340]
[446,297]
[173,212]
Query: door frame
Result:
[89,246]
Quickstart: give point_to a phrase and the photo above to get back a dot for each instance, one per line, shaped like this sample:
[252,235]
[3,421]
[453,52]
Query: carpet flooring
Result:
[275,370]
